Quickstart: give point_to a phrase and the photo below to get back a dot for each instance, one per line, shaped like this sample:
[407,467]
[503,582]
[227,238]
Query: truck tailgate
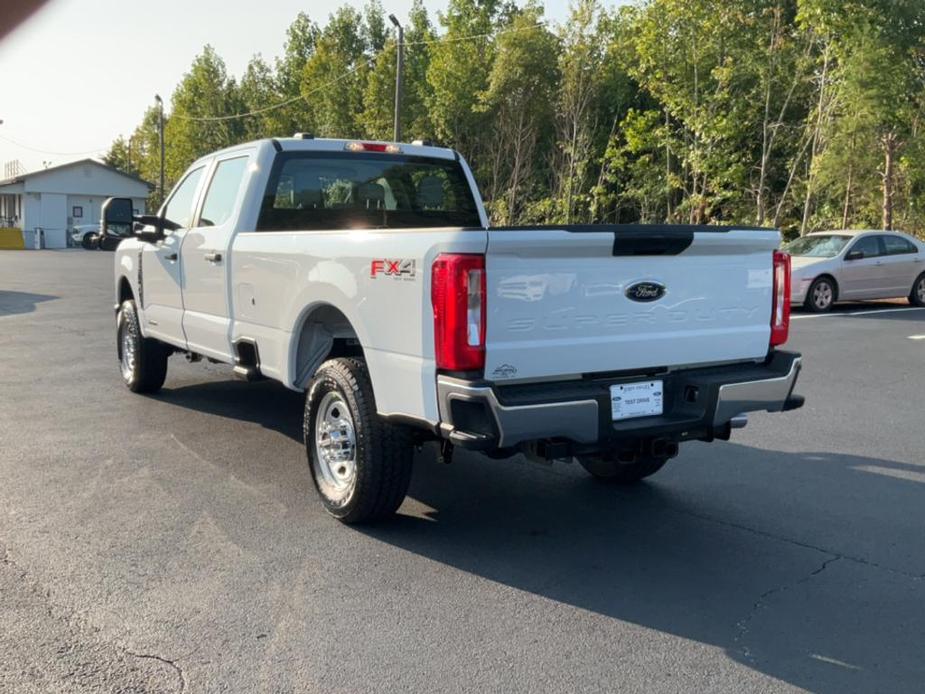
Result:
[558,299]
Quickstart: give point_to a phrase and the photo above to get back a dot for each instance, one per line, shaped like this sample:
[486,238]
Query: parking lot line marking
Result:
[870,312]
[910,475]
[917,337]
[887,310]
[833,661]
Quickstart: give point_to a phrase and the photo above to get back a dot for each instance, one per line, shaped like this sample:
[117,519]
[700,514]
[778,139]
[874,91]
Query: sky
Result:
[81,72]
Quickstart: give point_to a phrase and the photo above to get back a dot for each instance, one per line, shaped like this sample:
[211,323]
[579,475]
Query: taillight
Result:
[780,306]
[458,296]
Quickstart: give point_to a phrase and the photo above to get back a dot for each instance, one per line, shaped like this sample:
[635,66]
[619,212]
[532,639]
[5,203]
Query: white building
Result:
[61,197]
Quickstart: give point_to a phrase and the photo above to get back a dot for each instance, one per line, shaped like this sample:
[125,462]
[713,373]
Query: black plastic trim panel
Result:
[640,239]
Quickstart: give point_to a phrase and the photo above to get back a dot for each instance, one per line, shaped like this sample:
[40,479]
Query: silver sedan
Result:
[832,266]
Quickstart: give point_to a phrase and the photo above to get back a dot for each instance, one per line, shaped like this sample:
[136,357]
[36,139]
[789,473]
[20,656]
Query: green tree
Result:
[379,98]
[139,154]
[123,156]
[257,92]
[520,95]
[334,78]
[295,116]
[581,67]
[458,75]
[200,107]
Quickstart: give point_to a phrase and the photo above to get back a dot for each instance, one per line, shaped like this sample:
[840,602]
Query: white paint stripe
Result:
[833,661]
[910,475]
[917,337]
[887,310]
[871,312]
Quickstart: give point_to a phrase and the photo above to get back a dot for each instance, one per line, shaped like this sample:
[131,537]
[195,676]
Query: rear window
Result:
[827,246]
[325,190]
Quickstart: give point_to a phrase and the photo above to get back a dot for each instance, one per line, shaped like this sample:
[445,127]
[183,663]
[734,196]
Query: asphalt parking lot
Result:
[173,543]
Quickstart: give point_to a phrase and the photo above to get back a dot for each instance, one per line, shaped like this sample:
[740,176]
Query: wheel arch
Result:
[322,332]
[918,278]
[125,290]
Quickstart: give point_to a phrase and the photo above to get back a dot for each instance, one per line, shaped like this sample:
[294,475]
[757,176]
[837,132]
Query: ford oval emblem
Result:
[645,291]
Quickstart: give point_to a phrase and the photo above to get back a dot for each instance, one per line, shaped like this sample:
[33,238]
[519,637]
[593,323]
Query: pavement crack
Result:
[799,543]
[742,626]
[176,668]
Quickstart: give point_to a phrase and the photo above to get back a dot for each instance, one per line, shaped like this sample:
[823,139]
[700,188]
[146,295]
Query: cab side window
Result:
[869,246]
[897,245]
[223,192]
[179,208]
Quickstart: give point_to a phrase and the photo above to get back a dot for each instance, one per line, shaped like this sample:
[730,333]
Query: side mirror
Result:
[117,212]
[855,255]
[119,221]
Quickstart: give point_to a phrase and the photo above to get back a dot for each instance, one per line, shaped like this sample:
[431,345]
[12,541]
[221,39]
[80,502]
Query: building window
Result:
[77,212]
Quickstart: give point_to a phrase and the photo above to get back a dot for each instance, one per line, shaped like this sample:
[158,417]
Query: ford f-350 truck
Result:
[367,275]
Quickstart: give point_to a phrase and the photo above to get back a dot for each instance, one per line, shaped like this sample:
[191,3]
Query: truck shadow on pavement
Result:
[14,303]
[807,567]
[268,404]
[740,565]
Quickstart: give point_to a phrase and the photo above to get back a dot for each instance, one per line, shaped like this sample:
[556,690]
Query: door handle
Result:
[171,256]
[213,257]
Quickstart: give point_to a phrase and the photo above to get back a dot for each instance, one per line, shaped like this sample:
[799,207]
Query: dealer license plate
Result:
[642,399]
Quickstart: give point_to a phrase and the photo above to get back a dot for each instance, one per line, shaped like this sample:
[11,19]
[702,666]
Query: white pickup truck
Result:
[367,275]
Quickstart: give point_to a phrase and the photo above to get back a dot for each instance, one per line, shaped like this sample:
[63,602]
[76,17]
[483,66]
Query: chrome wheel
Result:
[920,290]
[335,446]
[823,295]
[127,357]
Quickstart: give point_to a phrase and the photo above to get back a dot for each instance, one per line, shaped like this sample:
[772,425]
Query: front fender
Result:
[128,267]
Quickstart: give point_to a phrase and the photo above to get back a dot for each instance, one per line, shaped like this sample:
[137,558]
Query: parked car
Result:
[831,266]
[83,233]
[366,275]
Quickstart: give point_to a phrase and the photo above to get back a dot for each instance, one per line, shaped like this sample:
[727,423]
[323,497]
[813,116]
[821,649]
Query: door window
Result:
[179,208]
[897,245]
[869,246]
[223,192]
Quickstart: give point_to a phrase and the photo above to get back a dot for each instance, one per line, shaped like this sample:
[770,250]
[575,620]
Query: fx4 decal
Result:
[397,269]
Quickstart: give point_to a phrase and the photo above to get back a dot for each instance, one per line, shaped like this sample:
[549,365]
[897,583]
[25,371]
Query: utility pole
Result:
[160,132]
[399,64]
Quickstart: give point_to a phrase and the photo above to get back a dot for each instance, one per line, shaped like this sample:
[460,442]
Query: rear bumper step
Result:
[698,404]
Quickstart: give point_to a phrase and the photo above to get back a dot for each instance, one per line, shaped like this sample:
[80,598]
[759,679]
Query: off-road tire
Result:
[811,305]
[147,372]
[383,452]
[614,472]
[917,295]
